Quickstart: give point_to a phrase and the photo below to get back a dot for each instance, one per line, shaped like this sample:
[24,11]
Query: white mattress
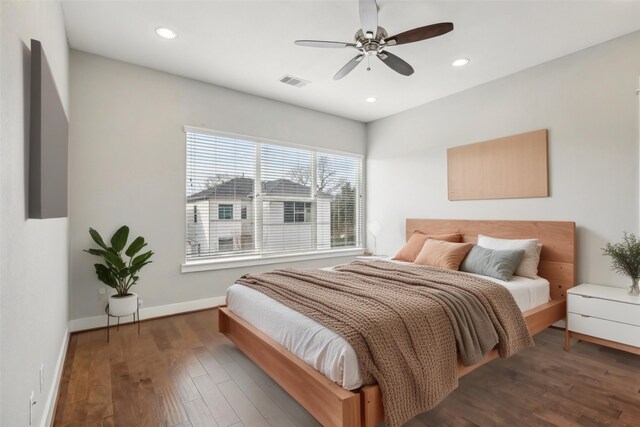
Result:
[324,349]
[528,293]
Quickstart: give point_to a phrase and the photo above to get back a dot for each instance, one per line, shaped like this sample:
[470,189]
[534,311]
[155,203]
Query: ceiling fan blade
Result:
[369,17]
[421,33]
[396,63]
[348,67]
[322,43]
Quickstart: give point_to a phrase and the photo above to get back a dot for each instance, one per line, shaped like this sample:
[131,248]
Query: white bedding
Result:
[324,349]
[528,293]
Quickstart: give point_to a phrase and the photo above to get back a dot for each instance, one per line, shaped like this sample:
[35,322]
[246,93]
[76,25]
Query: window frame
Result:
[242,260]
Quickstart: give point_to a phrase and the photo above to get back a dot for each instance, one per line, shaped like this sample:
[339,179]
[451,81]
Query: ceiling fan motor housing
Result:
[371,46]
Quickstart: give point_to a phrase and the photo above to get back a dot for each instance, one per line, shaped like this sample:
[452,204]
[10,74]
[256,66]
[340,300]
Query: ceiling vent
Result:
[293,81]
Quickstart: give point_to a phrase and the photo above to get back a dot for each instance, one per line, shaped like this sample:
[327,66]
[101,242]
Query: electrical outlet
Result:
[41,377]
[102,291]
[32,403]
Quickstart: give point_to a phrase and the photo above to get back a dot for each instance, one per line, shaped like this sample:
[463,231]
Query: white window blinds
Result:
[220,183]
[250,198]
[338,182]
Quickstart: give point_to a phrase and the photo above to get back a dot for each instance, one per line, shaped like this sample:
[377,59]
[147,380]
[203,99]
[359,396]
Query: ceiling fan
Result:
[374,40]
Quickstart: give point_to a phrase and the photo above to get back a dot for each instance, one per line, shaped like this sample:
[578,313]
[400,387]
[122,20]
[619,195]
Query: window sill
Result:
[220,264]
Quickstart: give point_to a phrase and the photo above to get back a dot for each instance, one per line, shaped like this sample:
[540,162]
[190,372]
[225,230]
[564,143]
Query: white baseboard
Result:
[147,313]
[52,398]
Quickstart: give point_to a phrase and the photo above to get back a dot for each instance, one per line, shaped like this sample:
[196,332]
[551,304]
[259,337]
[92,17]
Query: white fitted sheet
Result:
[528,293]
[322,348]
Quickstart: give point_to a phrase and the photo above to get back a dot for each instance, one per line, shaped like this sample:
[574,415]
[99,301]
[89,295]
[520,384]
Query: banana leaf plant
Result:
[116,271]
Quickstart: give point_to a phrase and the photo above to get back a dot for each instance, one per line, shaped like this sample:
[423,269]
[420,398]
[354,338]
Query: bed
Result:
[351,404]
[325,350]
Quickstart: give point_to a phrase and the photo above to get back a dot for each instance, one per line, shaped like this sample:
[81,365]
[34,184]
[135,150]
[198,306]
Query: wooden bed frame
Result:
[332,405]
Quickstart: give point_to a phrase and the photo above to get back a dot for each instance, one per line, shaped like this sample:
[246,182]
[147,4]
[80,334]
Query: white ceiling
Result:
[248,45]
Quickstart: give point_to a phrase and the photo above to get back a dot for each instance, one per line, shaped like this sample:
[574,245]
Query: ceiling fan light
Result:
[371,99]
[166,33]
[461,62]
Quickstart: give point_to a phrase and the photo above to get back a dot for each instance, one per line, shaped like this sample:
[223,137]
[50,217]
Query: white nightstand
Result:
[372,257]
[603,315]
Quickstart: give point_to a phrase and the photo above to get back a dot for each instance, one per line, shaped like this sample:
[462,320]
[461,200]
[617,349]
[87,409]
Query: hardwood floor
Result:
[181,372]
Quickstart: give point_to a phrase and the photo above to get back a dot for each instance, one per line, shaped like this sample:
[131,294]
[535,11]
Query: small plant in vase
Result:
[118,273]
[625,259]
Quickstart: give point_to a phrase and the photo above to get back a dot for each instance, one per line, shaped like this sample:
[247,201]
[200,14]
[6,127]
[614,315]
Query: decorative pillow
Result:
[412,248]
[529,265]
[438,253]
[493,263]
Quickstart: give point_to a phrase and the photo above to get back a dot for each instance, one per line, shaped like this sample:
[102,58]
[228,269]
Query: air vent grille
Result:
[293,81]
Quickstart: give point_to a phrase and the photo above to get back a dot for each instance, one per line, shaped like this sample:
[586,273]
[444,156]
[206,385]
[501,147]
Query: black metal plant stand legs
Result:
[136,315]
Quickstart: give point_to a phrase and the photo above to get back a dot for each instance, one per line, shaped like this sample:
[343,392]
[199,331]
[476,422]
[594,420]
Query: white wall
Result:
[587,101]
[127,166]
[34,253]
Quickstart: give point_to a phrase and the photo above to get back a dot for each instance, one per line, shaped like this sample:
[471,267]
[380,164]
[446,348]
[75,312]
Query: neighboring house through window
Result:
[255,198]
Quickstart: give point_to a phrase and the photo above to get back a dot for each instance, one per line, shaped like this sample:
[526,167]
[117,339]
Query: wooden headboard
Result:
[557,259]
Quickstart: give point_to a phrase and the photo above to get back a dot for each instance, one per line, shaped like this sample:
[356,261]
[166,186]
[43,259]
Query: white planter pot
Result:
[123,306]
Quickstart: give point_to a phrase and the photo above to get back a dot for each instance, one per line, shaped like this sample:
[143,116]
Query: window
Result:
[225,211]
[339,178]
[291,200]
[297,212]
[225,244]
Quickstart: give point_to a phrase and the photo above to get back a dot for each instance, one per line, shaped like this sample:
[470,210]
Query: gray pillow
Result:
[500,264]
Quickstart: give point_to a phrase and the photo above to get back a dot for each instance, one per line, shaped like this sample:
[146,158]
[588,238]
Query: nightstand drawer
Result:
[612,331]
[604,309]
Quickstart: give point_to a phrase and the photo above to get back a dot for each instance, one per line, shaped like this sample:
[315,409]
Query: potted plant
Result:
[625,258]
[118,273]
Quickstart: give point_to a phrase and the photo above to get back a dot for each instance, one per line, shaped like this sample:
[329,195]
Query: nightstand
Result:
[603,315]
[372,257]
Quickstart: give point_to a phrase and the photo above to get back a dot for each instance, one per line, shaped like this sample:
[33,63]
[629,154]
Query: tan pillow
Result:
[412,248]
[437,253]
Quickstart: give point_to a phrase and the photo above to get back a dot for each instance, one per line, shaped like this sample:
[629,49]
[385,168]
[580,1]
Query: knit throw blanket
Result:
[406,323]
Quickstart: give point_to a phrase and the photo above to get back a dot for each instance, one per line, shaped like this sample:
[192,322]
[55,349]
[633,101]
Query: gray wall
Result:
[33,253]
[127,166]
[587,101]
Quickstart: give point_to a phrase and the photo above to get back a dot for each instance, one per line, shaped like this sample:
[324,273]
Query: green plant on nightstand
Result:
[117,273]
[625,259]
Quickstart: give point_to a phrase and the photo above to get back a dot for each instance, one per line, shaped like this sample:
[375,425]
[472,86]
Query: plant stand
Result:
[136,315]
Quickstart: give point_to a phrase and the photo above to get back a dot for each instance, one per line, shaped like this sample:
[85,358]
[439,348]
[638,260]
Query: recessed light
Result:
[460,62]
[371,99]
[166,33]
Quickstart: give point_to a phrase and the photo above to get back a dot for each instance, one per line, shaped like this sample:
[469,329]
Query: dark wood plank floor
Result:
[180,372]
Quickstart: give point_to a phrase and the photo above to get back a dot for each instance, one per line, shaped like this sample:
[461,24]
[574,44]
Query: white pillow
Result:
[529,265]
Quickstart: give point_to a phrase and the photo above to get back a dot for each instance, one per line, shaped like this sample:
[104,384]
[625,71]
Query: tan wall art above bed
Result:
[504,168]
